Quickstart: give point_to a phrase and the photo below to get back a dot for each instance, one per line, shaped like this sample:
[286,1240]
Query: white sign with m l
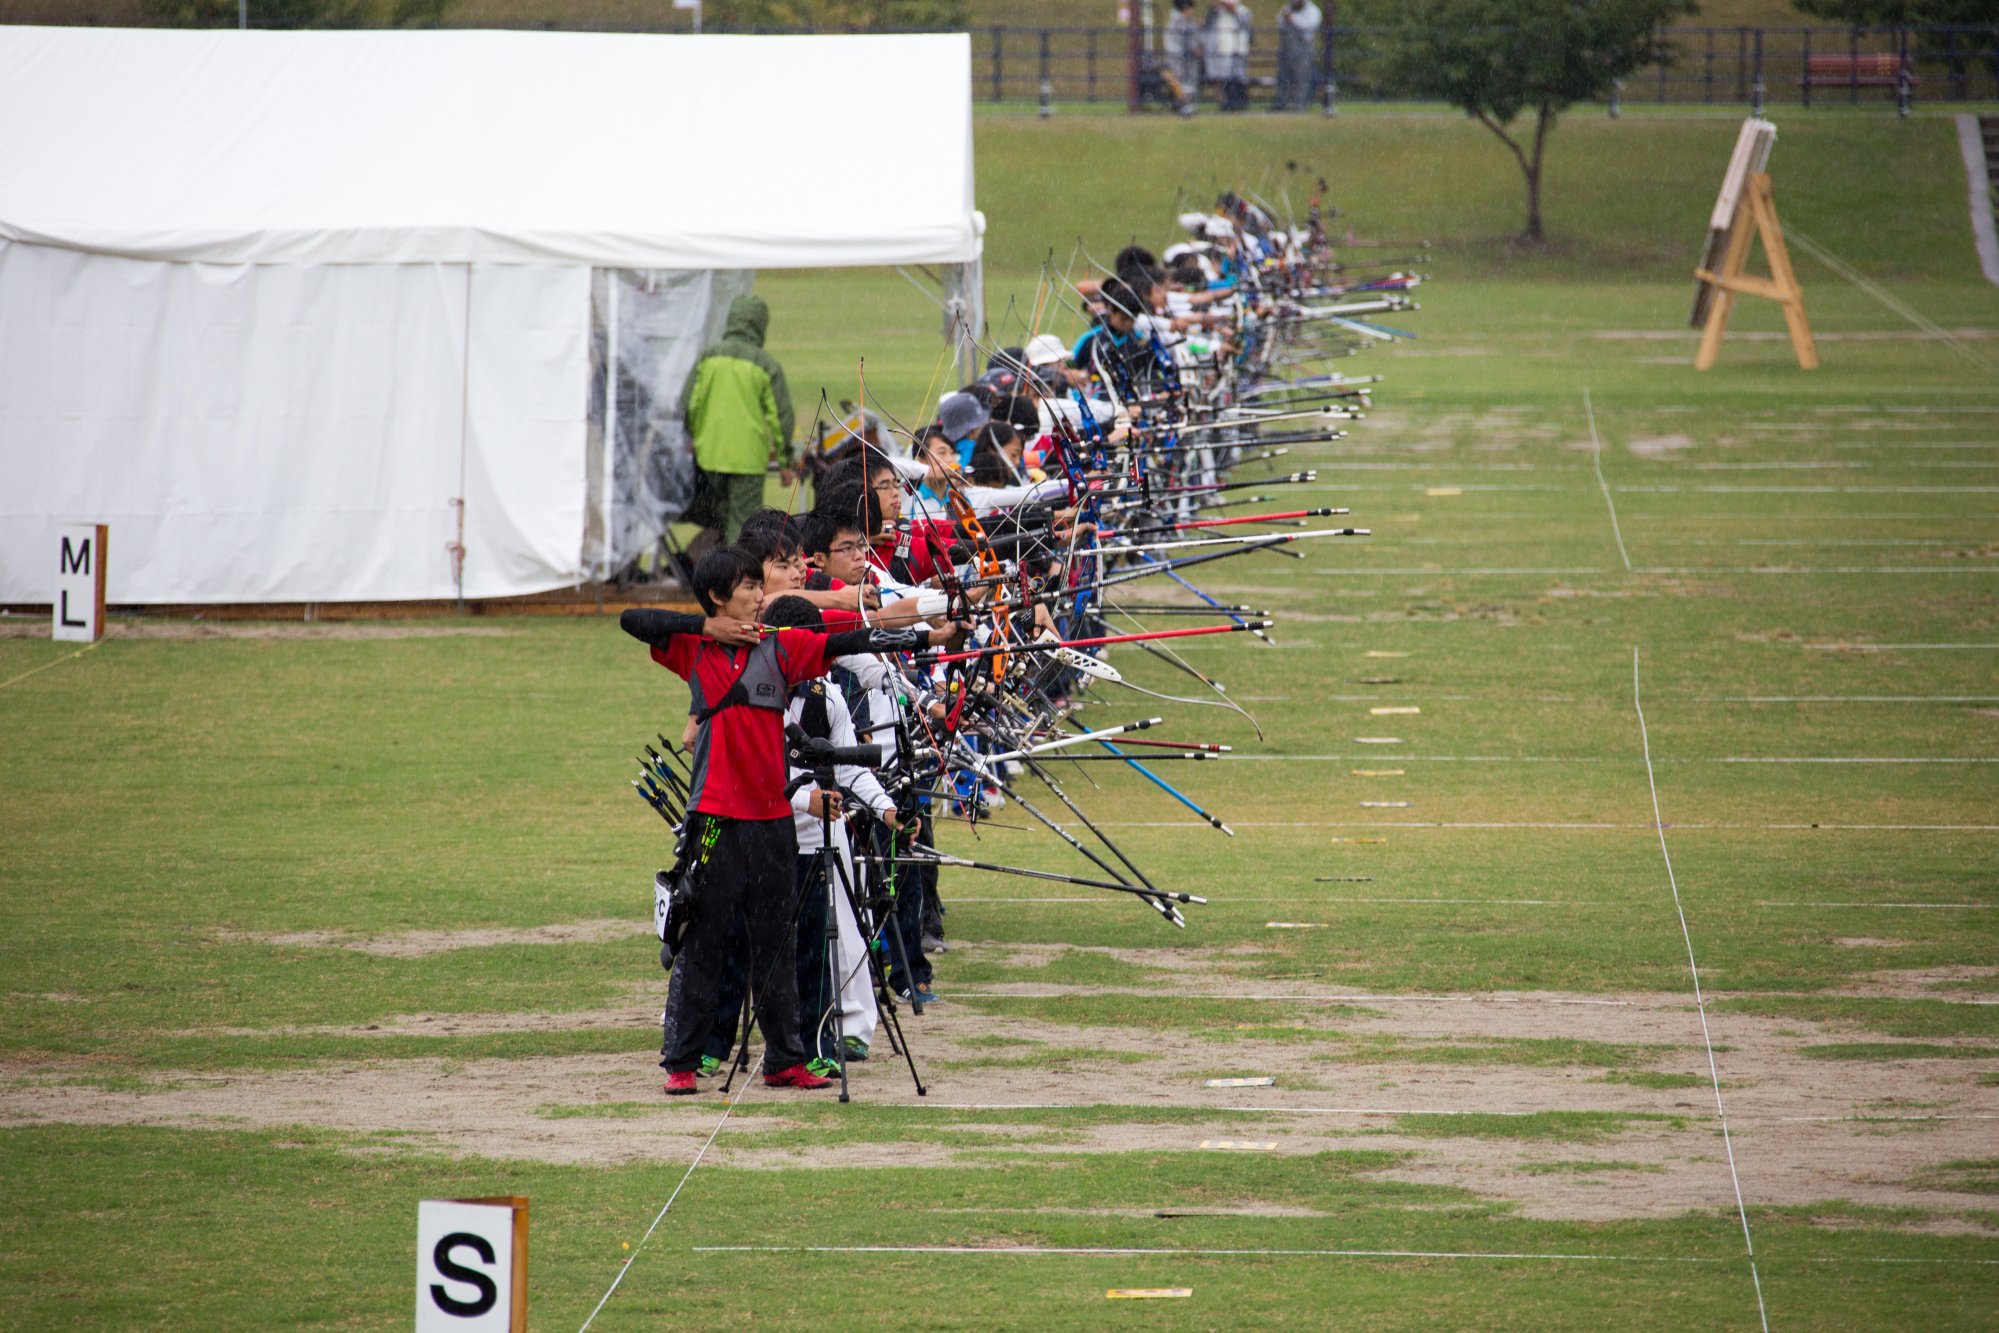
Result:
[79,598]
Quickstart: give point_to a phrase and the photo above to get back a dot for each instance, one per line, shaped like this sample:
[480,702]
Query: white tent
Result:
[325,316]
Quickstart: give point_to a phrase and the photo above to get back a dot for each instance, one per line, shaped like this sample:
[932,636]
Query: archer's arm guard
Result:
[656,628]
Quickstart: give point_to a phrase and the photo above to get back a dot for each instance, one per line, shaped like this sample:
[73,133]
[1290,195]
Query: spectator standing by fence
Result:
[738,411]
[1183,55]
[1297,55]
[1225,45]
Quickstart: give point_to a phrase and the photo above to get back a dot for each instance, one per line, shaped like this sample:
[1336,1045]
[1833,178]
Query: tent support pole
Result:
[464,440]
[960,296]
[610,410]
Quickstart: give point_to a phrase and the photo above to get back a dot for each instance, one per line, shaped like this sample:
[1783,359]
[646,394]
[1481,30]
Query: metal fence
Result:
[1710,66]
[1749,67]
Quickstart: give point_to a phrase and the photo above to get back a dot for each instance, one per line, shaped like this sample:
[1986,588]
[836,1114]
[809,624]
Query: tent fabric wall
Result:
[664,319]
[291,433]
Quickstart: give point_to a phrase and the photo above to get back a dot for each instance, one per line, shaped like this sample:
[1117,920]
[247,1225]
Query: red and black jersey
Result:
[929,541]
[740,695]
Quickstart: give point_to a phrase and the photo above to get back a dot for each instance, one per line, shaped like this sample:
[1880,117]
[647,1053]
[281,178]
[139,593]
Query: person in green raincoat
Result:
[738,412]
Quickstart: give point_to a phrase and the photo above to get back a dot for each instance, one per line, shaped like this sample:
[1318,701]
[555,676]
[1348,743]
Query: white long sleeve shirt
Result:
[862,782]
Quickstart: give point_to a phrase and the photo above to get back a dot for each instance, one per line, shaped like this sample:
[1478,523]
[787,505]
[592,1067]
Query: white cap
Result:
[1195,222]
[1045,349]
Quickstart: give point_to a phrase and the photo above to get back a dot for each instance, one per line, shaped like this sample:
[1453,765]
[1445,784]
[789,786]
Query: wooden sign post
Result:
[1745,211]
[472,1265]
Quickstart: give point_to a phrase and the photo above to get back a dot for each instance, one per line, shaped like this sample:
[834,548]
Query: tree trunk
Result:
[1532,167]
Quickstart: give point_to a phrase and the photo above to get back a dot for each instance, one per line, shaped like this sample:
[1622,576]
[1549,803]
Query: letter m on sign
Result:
[75,559]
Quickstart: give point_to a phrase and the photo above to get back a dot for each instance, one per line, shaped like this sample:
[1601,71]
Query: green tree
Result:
[1502,59]
[835,15]
[1904,13]
[300,13]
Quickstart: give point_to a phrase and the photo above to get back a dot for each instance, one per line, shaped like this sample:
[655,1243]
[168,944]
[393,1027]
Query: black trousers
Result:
[750,878]
[814,983]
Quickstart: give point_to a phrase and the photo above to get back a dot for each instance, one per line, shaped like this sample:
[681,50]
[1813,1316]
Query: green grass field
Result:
[302,924]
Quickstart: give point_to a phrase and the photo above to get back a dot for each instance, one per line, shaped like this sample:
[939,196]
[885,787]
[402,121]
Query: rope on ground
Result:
[1700,1001]
[1596,459]
[1854,276]
[67,657]
[661,1215]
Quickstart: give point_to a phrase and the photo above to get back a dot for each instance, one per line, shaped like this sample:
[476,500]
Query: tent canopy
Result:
[593,149]
[347,316]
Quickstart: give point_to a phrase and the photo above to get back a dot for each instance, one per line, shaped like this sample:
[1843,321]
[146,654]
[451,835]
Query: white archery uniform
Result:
[858,1015]
[983,499]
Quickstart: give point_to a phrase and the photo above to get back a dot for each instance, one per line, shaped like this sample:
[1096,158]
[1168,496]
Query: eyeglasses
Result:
[887,484]
[845,548]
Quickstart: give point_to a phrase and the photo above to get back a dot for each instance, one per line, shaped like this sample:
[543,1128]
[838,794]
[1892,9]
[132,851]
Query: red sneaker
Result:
[681,1084]
[798,1076]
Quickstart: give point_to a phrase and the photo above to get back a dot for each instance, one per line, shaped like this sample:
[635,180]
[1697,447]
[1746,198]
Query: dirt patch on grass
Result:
[1923,983]
[419,943]
[1660,447]
[1806,1130]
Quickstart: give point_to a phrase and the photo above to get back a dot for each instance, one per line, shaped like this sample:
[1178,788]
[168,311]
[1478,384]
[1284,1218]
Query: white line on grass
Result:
[1896,647]
[1851,759]
[1522,824]
[1307,998]
[1596,460]
[1721,489]
[1845,698]
[1700,1001]
[1088,1252]
[1911,907]
[1114,1251]
[1841,1119]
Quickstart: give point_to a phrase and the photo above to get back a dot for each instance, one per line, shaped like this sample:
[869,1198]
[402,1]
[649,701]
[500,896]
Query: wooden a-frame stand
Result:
[1755,215]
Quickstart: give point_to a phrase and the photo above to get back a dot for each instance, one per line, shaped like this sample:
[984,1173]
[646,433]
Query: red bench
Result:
[1868,70]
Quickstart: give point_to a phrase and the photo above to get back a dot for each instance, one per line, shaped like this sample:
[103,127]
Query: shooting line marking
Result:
[1108,1251]
[1897,647]
[1266,1081]
[1700,1001]
[1845,698]
[1239,1145]
[1306,998]
[1148,1293]
[1801,490]
[1907,907]
[1392,710]
[1596,461]
[1840,1119]
[1852,759]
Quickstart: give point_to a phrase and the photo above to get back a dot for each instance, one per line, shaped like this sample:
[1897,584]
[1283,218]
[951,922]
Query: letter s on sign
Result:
[457,1272]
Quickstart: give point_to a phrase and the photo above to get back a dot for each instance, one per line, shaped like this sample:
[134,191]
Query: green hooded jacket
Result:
[737,405]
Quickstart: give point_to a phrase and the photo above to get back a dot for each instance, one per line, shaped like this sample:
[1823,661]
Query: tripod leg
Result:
[829,866]
[886,1003]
